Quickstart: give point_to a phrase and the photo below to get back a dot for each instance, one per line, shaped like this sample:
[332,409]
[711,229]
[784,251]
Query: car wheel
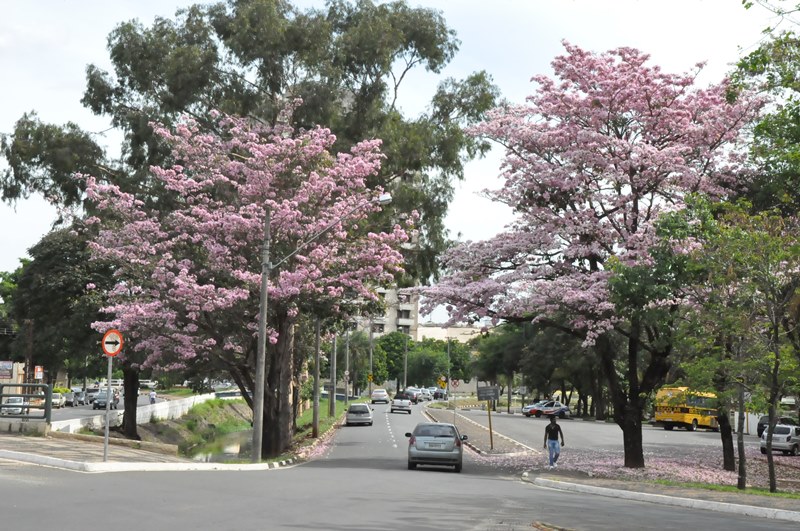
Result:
[391,411]
[457,468]
[562,415]
[409,412]
[692,426]
[538,414]
[668,427]
[763,450]
[346,423]
[412,466]
[370,424]
[793,451]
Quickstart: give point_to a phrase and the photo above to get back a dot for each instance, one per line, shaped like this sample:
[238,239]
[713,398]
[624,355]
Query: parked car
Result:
[785,438]
[530,409]
[379,395]
[551,407]
[358,414]
[58,400]
[764,421]
[401,402]
[100,400]
[435,443]
[17,403]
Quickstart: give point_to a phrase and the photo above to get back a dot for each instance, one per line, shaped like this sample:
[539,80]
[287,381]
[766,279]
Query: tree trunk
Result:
[130,382]
[277,434]
[728,459]
[631,425]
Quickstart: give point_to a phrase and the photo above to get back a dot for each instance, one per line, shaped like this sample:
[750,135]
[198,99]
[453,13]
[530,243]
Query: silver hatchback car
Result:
[358,414]
[785,439]
[435,443]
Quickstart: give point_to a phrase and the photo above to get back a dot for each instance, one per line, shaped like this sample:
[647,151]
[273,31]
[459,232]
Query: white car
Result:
[358,414]
[58,400]
[379,395]
[16,401]
[425,394]
[785,438]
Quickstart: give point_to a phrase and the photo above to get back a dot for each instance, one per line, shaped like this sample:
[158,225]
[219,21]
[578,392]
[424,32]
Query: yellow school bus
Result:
[679,406]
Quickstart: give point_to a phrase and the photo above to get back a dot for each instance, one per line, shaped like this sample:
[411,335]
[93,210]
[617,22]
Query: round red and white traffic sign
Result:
[112,343]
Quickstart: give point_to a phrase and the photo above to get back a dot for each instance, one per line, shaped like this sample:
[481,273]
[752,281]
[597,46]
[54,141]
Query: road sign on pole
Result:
[112,343]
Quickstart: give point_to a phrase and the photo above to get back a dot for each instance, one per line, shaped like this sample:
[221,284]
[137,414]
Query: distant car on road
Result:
[379,395]
[91,393]
[100,400]
[414,394]
[426,394]
[435,443]
[527,410]
[401,402]
[551,407]
[358,414]
[440,394]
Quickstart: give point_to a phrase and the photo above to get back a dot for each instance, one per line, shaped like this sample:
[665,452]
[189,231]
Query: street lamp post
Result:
[261,356]
[347,366]
[332,392]
[405,364]
[370,357]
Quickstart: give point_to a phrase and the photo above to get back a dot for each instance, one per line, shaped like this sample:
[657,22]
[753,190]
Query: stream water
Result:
[231,447]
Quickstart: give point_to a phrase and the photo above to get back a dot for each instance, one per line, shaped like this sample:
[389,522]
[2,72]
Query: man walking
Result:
[551,435]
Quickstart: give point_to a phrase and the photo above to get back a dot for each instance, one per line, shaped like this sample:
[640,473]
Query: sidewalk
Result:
[85,454]
[499,448]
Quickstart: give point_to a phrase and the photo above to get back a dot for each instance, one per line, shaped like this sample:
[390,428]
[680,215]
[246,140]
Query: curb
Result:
[100,467]
[746,510]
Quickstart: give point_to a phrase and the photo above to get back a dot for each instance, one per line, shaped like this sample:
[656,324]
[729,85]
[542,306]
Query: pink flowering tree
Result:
[592,159]
[189,268]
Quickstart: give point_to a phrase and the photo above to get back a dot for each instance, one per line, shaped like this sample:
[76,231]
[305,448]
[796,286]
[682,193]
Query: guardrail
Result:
[37,397]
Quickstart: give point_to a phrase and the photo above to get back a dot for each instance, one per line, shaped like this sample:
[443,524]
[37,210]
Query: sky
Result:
[45,46]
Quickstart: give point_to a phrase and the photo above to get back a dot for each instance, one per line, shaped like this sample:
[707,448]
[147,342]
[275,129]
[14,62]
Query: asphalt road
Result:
[597,435]
[360,483]
[75,412]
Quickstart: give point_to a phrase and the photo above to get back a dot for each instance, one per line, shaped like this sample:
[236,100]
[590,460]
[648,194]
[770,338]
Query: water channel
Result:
[233,447]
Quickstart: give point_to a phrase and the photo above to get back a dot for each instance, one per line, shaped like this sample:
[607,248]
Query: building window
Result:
[404,314]
[403,298]
[377,328]
[404,329]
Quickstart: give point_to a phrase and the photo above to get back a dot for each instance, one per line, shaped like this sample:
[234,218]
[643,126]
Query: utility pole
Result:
[332,392]
[261,353]
[370,375]
[347,365]
[405,364]
[315,421]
